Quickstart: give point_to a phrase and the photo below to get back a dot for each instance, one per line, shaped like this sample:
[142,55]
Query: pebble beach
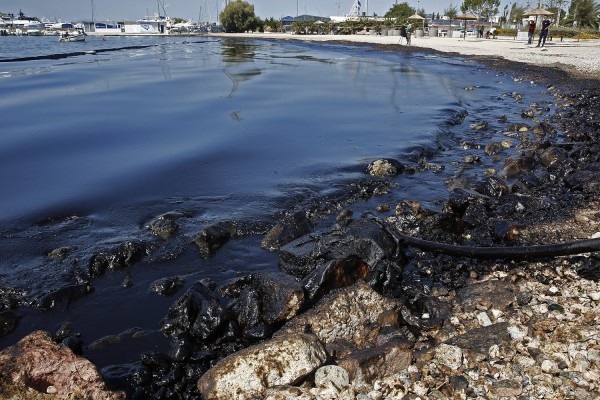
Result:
[357,312]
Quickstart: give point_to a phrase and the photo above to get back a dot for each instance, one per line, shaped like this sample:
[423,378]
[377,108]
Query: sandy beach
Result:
[580,57]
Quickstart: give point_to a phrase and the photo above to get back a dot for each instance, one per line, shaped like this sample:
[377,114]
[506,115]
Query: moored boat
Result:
[77,36]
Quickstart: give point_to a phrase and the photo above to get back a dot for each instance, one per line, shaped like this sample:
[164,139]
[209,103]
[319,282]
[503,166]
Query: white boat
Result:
[77,36]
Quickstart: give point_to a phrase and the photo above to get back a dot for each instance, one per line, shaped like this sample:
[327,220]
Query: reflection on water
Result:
[235,54]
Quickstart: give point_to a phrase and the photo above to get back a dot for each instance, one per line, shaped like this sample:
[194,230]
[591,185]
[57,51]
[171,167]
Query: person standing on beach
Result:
[544,32]
[403,34]
[531,31]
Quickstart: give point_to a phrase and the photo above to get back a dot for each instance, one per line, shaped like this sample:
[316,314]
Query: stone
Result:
[507,388]
[37,365]
[477,342]
[373,363]
[167,286]
[332,375]
[284,360]
[450,356]
[344,314]
[488,294]
[385,167]
[290,228]
[197,313]
[212,238]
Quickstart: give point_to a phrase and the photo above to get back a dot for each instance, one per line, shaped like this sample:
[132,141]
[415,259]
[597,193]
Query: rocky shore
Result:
[359,311]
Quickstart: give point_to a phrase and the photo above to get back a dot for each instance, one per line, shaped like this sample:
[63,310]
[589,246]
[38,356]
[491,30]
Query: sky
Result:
[78,10]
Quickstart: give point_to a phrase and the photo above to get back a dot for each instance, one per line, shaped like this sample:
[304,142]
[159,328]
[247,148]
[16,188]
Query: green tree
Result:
[584,13]
[516,13]
[451,12]
[481,8]
[400,11]
[272,24]
[239,16]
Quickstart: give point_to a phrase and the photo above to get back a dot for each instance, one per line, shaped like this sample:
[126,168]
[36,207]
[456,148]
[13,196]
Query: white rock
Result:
[549,366]
[494,351]
[332,375]
[280,361]
[483,319]
[450,356]
[517,333]
[594,296]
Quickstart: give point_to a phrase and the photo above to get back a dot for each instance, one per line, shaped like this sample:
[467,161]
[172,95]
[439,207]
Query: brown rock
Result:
[507,388]
[36,364]
[378,362]
[488,294]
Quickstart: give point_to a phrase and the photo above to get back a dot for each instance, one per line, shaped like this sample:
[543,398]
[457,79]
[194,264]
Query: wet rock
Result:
[372,363]
[211,239]
[479,125]
[553,157]
[8,322]
[584,180]
[349,314]
[167,286]
[506,230]
[63,296]
[36,364]
[292,227]
[165,225]
[246,374]
[198,313]
[333,275]
[494,148]
[123,256]
[104,342]
[515,166]
[385,167]
[492,186]
[60,254]
[264,299]
[475,215]
[365,238]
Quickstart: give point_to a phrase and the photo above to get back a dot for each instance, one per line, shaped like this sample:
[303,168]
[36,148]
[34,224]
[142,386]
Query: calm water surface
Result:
[100,137]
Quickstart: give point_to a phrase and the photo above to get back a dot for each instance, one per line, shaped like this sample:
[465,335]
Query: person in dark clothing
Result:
[544,32]
[403,33]
[530,31]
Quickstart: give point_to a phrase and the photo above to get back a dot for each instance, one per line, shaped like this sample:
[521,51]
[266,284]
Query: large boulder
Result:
[246,374]
[37,366]
[345,315]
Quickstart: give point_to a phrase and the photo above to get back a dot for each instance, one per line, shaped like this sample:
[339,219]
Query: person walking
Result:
[531,31]
[544,32]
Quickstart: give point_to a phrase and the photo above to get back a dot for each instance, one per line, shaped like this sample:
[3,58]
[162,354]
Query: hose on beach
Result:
[510,253]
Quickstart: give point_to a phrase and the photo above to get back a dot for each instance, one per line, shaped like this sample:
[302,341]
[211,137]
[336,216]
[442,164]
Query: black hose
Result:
[511,253]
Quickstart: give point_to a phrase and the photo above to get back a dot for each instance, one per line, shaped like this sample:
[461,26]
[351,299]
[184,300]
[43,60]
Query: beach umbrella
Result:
[465,18]
[539,11]
[417,16]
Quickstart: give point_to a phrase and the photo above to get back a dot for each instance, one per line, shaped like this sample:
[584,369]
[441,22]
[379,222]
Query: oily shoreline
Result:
[434,356]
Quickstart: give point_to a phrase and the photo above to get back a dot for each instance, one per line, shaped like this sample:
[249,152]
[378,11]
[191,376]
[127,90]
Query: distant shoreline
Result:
[579,58]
